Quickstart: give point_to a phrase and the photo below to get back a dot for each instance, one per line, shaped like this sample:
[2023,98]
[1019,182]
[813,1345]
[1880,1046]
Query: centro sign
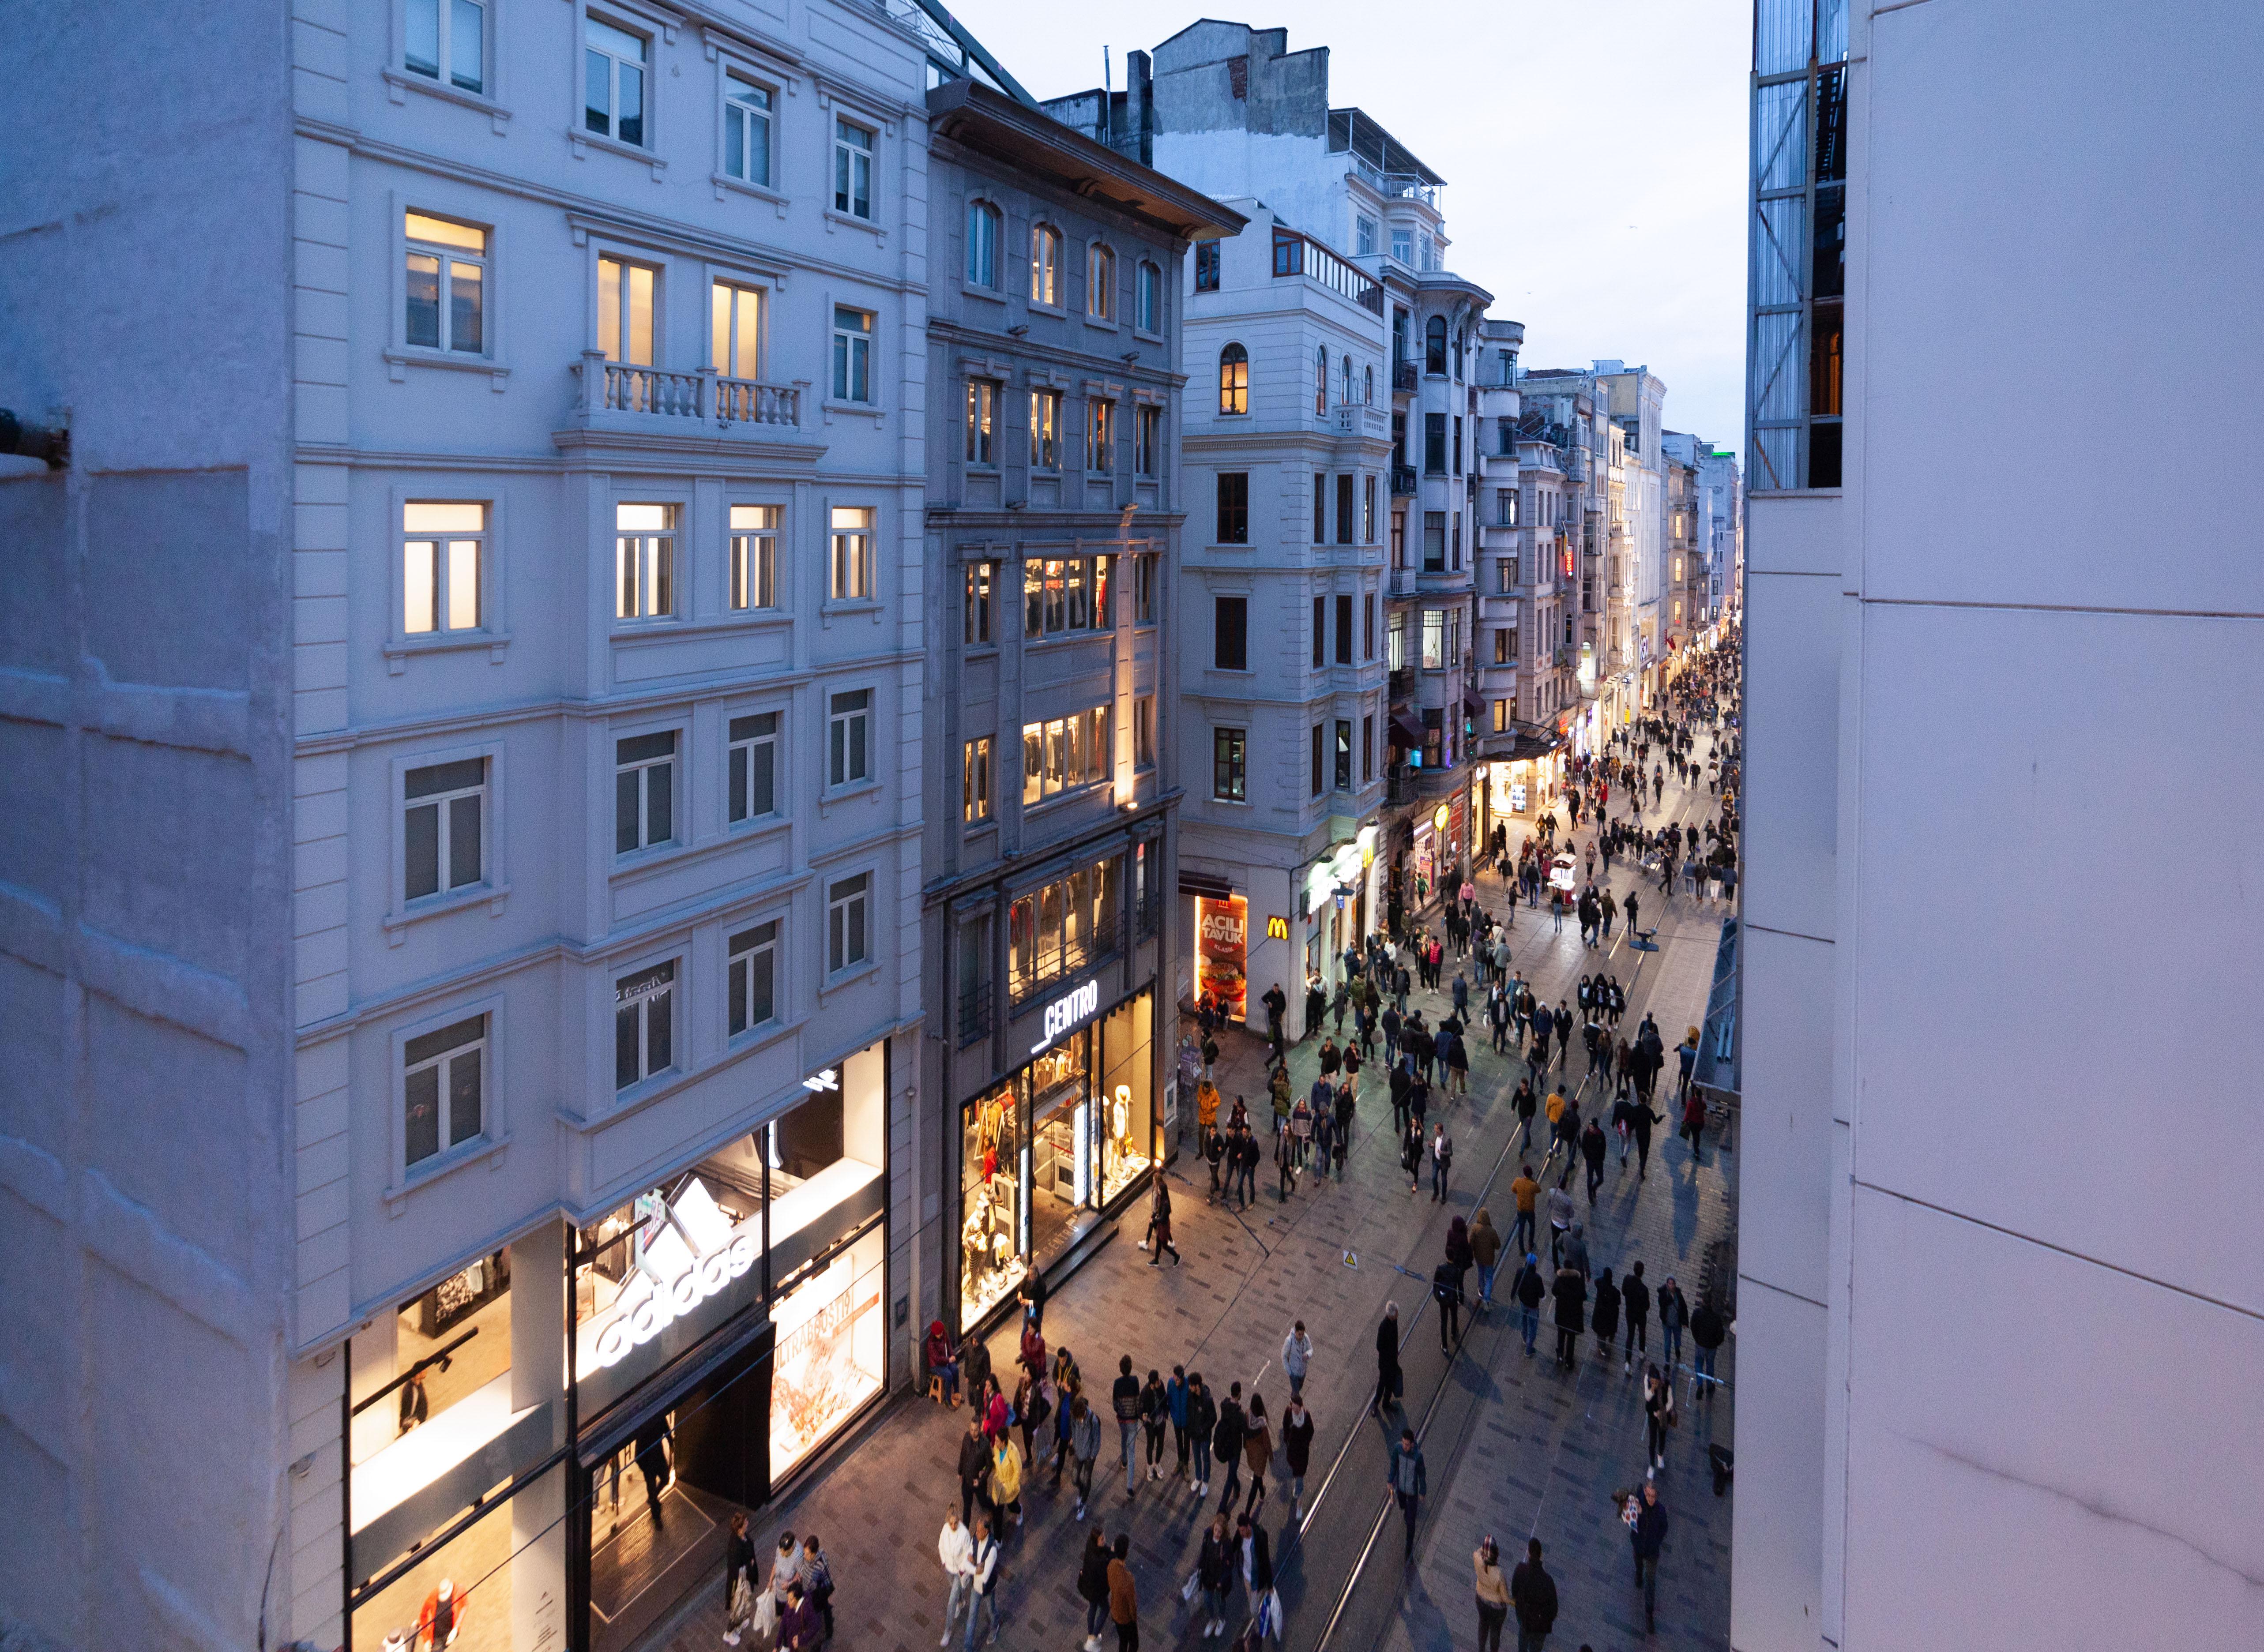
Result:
[692,1253]
[1064,1013]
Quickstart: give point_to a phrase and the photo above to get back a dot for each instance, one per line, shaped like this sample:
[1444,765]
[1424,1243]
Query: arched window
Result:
[1100,283]
[1347,394]
[981,243]
[1234,379]
[1368,384]
[1046,266]
[1320,379]
[1434,345]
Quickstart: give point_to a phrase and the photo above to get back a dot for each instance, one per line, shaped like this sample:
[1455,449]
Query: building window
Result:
[753,989]
[847,716]
[849,558]
[981,243]
[1344,754]
[978,603]
[1505,575]
[1148,299]
[1058,929]
[1503,641]
[754,555]
[1320,382]
[1320,630]
[1345,523]
[1231,632]
[1367,510]
[1367,625]
[644,792]
[848,922]
[447,271]
[1148,440]
[442,827]
[1363,236]
[1501,717]
[1099,436]
[1344,366]
[443,547]
[1234,507]
[1318,736]
[1458,444]
[1045,429]
[1434,638]
[1505,505]
[853,354]
[1455,540]
[1064,753]
[1143,591]
[1207,266]
[1234,379]
[981,422]
[644,561]
[444,1089]
[1435,443]
[1434,344]
[1100,284]
[1320,507]
[853,168]
[448,41]
[1399,539]
[975,781]
[1368,387]
[735,330]
[1144,732]
[1344,628]
[1065,594]
[1395,651]
[751,762]
[1367,747]
[644,1025]
[625,297]
[1045,266]
[1403,246]
[1229,750]
[612,82]
[746,130]
[1434,541]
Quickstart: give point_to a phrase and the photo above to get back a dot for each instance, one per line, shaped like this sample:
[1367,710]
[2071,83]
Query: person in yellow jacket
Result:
[1206,1108]
[1006,1480]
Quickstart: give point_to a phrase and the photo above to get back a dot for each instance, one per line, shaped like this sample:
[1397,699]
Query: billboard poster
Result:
[1222,952]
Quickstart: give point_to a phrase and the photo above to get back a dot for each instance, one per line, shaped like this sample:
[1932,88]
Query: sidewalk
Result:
[1520,1449]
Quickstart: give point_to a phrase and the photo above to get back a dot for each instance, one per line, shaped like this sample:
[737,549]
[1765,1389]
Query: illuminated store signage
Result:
[689,1253]
[1065,1012]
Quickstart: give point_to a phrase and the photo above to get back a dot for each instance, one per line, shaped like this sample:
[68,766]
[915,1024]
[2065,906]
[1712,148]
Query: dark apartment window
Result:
[1434,345]
[1435,443]
[1346,521]
[1231,632]
[1458,444]
[1320,629]
[1320,507]
[1317,737]
[1367,747]
[1234,507]
[1207,266]
[1344,754]
[1228,751]
[1367,626]
[1344,628]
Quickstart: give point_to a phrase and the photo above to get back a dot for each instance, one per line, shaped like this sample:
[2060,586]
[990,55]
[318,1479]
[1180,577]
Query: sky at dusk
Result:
[1594,154]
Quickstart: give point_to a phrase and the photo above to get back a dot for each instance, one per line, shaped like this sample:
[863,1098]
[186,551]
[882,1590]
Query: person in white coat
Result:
[954,1546]
[1296,1355]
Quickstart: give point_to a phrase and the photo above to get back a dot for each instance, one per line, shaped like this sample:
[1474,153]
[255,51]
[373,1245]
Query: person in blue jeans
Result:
[1125,1398]
[1530,1294]
[1673,1313]
[1706,1333]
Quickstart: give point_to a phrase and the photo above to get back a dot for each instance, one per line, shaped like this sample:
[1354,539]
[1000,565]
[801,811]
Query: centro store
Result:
[545,1450]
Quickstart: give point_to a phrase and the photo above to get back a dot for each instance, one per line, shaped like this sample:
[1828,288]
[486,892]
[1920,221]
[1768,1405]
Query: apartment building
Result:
[1636,399]
[1721,529]
[1979,1404]
[483,1118]
[1683,597]
[1053,720]
[1573,563]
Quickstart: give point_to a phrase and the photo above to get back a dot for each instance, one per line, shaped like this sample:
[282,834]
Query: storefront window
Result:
[1126,1100]
[830,1355]
[990,1192]
[499,1585]
[1061,1143]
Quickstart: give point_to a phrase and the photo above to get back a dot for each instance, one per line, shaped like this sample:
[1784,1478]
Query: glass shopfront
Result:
[1045,1153]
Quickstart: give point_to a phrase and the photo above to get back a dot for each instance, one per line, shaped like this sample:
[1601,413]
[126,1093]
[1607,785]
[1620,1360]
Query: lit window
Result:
[975,781]
[746,130]
[1100,284]
[1045,266]
[1234,379]
[442,827]
[1045,429]
[754,555]
[644,561]
[852,169]
[448,41]
[442,548]
[625,311]
[853,354]
[849,560]
[446,288]
[735,313]
[978,603]
[1099,436]
[444,1089]
[612,69]
[1228,776]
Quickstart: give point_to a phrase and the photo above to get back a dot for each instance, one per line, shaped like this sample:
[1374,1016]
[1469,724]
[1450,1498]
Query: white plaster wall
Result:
[1776,1522]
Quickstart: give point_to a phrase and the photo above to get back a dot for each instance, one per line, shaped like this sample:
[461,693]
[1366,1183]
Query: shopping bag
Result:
[765,1612]
[742,1606]
[1187,1590]
[1269,1614]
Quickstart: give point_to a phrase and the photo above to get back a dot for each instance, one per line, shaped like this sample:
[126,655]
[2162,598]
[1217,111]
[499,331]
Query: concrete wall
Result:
[144,1211]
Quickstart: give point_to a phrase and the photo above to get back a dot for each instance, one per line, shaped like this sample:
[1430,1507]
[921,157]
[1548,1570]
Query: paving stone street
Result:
[1515,1448]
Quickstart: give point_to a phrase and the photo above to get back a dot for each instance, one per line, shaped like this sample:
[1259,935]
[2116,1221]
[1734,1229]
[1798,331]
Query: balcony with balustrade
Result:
[632,399]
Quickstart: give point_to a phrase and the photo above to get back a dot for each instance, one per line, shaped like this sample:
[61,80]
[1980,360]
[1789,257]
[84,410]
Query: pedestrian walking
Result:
[1524,1190]
[1226,1444]
[1390,1383]
[1442,1162]
[1155,1416]
[1606,1318]
[1124,1596]
[1648,1534]
[1693,1129]
[1296,1358]
[1658,1414]
[1673,1315]
[1635,1306]
[1214,1573]
[1124,1400]
[1447,1291]
[1485,1251]
[1175,1407]
[1533,1595]
[1202,1421]
[1159,1225]
[1492,1593]
[1005,1486]
[973,1467]
[1571,1293]
[739,1582]
[982,1586]
[1411,1483]
[1528,1292]
[1706,1330]
[1093,1588]
[1523,1105]
[1593,1146]
[1083,1449]
[1560,1217]
[954,1546]
[1258,1452]
[1297,1451]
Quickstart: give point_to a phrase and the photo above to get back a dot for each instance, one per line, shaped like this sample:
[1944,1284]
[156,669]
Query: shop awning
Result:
[1471,703]
[1410,731]
[1203,884]
[1516,746]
